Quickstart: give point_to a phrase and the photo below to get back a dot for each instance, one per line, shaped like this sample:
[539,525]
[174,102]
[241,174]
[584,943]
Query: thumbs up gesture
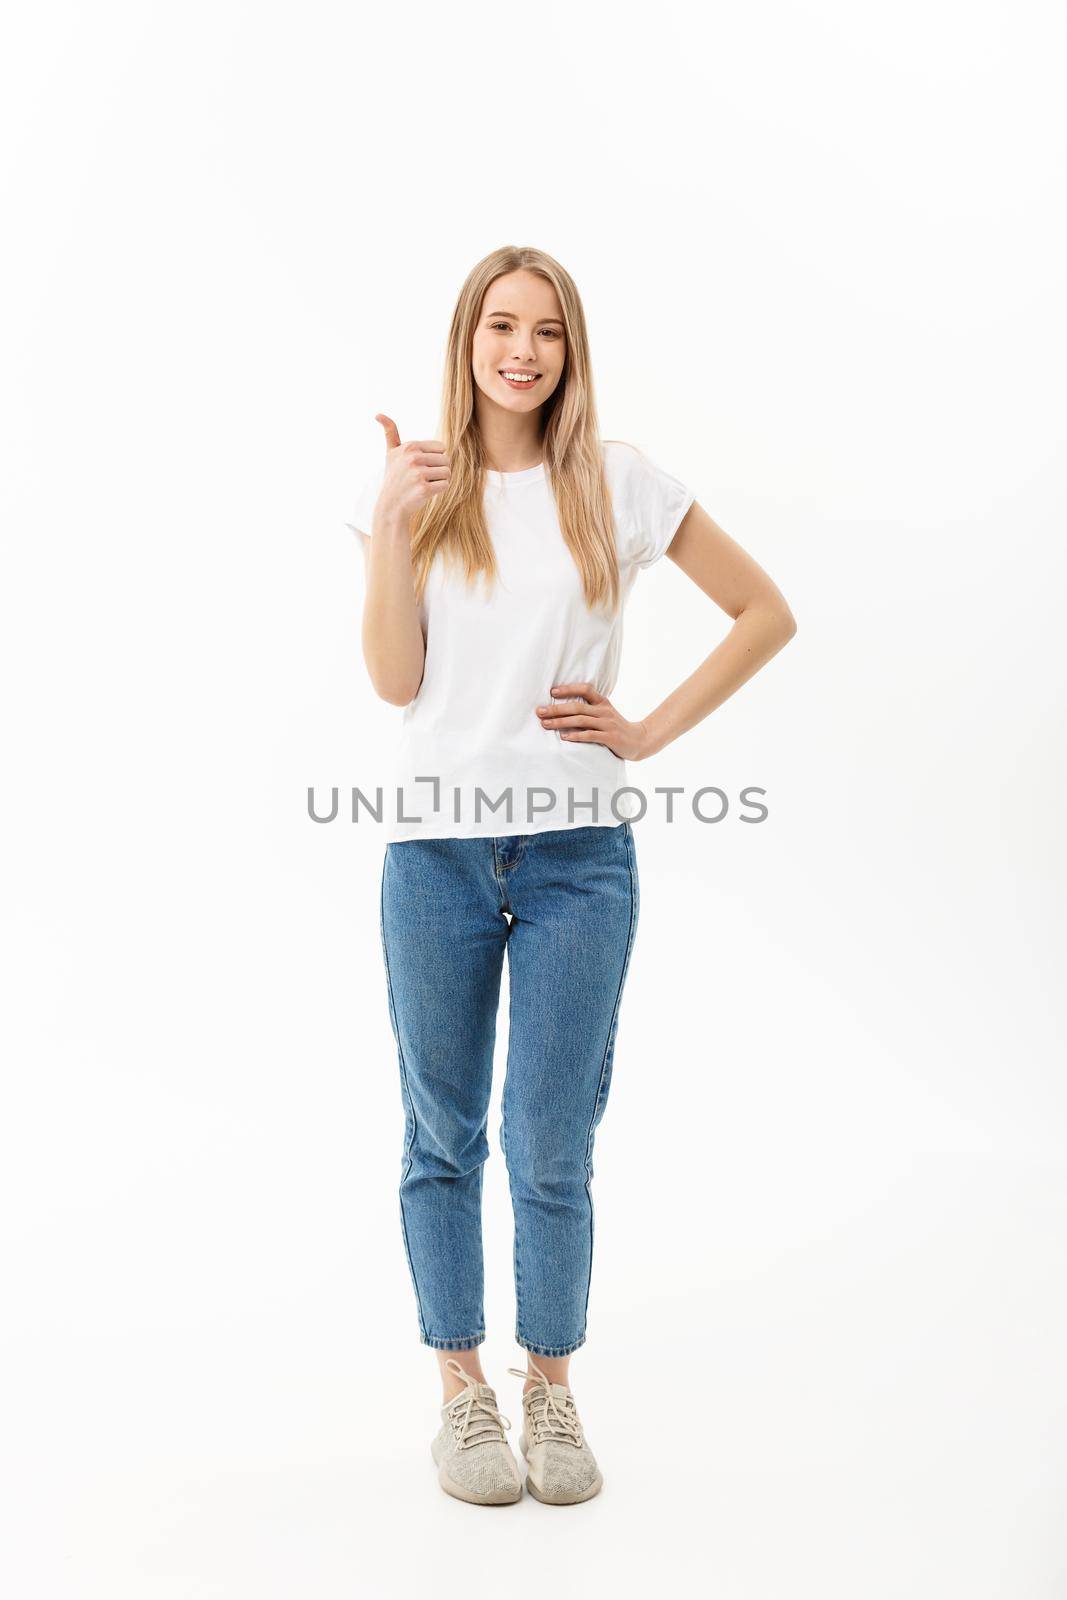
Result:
[413,471]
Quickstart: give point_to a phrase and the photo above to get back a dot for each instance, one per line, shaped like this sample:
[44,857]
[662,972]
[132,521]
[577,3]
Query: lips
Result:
[520,383]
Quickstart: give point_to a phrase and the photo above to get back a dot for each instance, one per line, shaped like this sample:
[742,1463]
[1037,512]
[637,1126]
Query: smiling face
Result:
[519,332]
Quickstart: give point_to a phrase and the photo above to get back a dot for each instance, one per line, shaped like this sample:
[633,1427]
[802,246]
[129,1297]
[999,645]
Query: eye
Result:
[552,332]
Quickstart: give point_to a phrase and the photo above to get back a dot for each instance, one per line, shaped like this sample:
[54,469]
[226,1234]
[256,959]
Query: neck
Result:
[511,444]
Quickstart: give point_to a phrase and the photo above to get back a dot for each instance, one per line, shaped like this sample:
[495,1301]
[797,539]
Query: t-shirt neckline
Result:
[528,475]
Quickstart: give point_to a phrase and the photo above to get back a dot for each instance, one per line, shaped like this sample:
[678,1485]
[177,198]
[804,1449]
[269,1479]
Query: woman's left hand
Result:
[594,721]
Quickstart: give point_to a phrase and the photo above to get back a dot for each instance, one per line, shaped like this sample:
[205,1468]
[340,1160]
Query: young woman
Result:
[498,559]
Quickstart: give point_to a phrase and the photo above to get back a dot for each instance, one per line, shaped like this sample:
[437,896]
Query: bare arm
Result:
[393,646]
[763,623]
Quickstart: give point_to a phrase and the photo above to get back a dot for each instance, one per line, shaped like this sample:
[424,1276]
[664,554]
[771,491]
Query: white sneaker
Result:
[474,1460]
[561,1468]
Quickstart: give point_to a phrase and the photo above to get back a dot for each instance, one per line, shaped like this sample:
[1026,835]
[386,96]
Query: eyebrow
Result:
[514,318]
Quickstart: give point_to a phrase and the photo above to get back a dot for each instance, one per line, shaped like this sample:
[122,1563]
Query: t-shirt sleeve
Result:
[361,517]
[654,504]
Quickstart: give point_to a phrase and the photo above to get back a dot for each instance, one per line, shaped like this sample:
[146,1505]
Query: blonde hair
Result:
[453,523]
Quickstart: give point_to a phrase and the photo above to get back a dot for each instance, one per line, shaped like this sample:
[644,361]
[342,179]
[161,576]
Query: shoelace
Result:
[474,1420]
[548,1419]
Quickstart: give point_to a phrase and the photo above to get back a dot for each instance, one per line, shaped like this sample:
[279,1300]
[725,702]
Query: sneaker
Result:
[474,1460]
[561,1468]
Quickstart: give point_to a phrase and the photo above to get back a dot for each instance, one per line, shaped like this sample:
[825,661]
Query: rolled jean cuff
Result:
[549,1349]
[453,1344]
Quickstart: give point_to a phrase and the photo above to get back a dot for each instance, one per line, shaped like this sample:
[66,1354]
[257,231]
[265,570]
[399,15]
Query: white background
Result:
[821,255]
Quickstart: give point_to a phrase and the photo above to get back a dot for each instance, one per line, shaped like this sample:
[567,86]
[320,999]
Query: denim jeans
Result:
[563,905]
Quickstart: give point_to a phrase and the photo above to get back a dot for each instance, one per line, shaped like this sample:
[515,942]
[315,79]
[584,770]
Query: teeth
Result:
[520,377]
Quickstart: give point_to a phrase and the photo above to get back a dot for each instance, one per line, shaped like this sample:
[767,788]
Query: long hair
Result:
[453,523]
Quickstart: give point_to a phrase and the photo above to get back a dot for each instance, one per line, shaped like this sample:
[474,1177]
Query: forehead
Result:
[518,294]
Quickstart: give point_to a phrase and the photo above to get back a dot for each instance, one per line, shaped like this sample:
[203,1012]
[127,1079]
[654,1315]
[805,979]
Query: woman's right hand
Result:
[414,472]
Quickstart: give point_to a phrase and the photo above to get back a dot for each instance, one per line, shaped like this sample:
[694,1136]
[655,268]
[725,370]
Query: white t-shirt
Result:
[493,656]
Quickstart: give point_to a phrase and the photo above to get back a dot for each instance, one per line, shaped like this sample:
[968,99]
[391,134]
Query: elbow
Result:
[394,694]
[394,690]
[783,624]
[394,680]
[770,613]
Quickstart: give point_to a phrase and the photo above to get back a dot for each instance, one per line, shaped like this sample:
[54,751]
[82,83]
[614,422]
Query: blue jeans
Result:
[572,898]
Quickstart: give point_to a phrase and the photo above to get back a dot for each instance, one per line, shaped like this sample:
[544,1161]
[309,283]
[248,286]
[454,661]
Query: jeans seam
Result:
[407,1156]
[516,1262]
[465,1342]
[603,1069]
[554,1350]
